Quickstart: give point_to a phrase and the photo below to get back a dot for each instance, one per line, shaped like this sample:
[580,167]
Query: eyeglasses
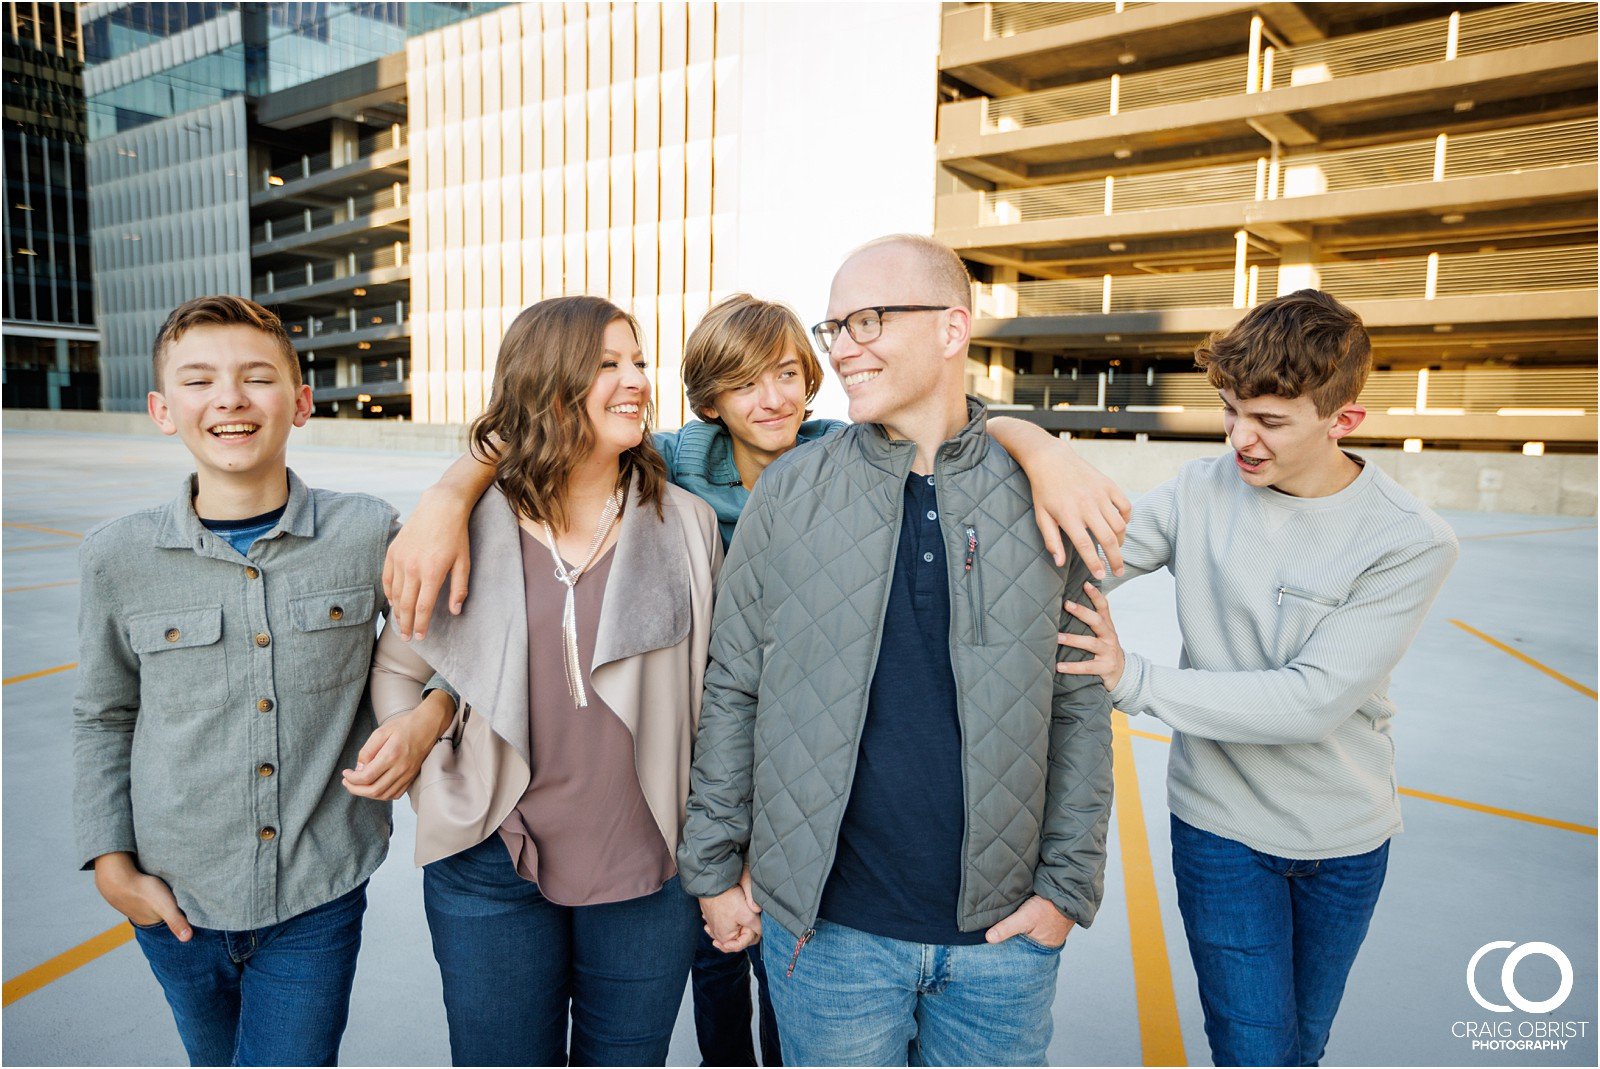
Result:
[864,324]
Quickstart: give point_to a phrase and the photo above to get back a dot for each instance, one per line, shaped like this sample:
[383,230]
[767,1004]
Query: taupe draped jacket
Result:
[649,666]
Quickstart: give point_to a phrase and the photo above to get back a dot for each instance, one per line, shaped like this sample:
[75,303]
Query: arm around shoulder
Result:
[1072,849]
[1347,656]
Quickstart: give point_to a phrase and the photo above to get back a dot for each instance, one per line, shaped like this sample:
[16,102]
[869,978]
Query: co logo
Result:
[1508,976]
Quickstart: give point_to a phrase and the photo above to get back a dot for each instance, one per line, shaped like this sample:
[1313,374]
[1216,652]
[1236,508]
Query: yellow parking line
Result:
[41,545]
[1445,799]
[1512,814]
[58,966]
[1525,659]
[42,672]
[1160,1038]
[38,586]
[42,530]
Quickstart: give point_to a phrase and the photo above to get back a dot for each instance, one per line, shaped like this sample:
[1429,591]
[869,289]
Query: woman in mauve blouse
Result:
[549,815]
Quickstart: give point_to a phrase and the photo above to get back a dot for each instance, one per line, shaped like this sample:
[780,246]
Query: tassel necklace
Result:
[569,579]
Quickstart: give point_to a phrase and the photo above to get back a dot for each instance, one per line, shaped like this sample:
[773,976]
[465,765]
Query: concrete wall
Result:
[1558,485]
[1562,485]
[391,435]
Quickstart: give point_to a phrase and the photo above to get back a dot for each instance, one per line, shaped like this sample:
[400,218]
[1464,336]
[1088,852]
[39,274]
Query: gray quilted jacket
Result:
[799,614]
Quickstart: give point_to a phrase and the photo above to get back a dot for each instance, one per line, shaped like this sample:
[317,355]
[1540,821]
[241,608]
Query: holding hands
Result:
[733,920]
[1108,661]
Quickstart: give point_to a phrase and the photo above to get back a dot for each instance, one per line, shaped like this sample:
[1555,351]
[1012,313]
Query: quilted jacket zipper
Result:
[805,937]
[970,561]
[899,514]
[972,568]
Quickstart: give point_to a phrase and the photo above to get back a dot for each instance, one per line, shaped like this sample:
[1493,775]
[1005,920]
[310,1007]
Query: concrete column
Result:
[1241,268]
[58,376]
[1003,293]
[1253,76]
[343,141]
[1297,268]
[1002,377]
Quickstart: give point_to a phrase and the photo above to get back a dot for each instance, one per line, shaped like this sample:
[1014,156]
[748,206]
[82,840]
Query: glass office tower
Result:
[50,338]
[178,147]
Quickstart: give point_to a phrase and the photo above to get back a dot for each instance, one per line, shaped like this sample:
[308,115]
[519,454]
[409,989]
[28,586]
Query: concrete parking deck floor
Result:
[1497,758]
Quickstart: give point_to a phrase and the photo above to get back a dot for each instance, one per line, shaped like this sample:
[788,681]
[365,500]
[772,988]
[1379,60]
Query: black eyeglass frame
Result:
[835,326]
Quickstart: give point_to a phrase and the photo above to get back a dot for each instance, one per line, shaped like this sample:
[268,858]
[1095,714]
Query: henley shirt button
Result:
[264,771]
[264,705]
[172,634]
[928,557]
[932,515]
[336,613]
[268,834]
[930,480]
[251,573]
[263,639]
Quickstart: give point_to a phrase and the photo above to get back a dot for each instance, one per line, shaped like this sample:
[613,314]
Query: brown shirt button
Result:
[172,634]
[251,573]
[265,771]
[263,639]
[264,705]
[268,834]
[336,613]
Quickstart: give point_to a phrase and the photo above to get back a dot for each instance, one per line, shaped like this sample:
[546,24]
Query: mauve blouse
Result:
[582,831]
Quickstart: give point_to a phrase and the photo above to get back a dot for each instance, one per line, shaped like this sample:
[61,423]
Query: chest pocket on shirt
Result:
[182,663]
[1300,610]
[332,637]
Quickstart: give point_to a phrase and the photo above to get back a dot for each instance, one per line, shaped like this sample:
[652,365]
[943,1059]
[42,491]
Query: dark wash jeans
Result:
[515,964]
[1272,939]
[278,995]
[722,1006]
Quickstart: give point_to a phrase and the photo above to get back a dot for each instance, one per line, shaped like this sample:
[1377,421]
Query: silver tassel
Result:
[569,634]
[569,614]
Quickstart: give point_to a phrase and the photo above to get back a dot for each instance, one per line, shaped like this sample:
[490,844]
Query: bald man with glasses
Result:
[893,788]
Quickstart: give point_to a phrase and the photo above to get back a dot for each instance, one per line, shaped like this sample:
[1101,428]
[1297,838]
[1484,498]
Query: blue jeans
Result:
[860,999]
[516,964]
[1272,940]
[722,1007]
[278,995]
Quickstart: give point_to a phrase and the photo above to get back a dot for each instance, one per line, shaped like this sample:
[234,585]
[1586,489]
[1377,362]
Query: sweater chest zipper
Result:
[1304,595]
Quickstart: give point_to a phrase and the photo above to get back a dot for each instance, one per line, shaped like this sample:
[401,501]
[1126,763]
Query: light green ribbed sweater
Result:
[1294,612]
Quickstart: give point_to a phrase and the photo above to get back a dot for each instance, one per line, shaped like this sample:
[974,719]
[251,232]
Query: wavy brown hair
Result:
[1302,343]
[536,429]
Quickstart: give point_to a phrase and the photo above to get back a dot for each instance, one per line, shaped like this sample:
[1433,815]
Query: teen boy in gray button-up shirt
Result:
[232,787]
[220,698]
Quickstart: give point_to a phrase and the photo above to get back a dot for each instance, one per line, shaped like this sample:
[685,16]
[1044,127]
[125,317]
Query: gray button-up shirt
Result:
[219,697]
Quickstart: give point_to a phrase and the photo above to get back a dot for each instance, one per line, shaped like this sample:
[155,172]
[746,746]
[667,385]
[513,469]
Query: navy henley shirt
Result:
[897,872]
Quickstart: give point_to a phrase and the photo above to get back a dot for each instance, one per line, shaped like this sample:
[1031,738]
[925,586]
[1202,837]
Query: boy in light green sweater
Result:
[1302,575]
